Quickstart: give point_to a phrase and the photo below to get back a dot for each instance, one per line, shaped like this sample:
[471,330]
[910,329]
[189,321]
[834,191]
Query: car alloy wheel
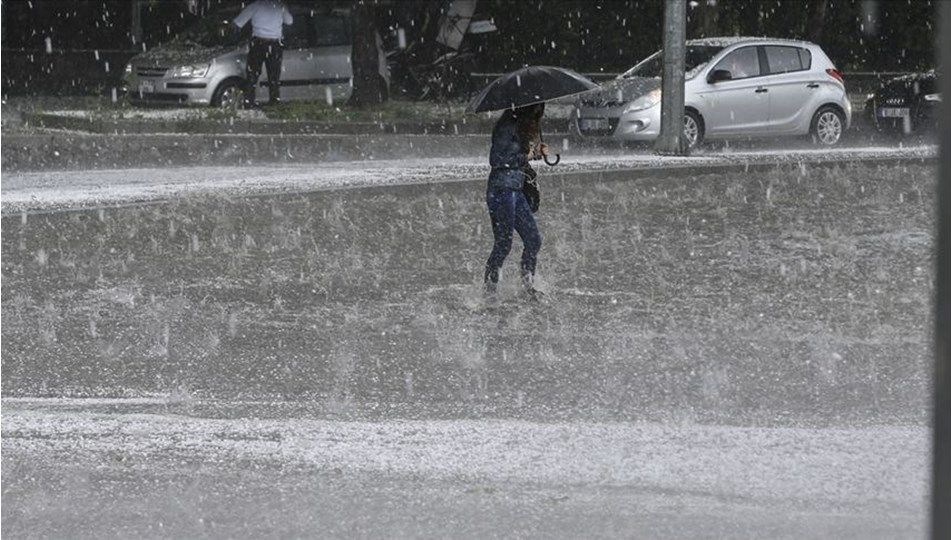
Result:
[231,98]
[829,127]
[691,130]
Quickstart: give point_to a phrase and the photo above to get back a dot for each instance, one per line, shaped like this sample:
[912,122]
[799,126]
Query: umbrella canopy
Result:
[528,86]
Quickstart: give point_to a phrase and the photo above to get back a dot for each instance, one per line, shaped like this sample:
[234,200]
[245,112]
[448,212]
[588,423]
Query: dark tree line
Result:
[587,35]
[610,35]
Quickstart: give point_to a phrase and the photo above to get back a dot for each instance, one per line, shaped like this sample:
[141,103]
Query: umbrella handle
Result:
[552,163]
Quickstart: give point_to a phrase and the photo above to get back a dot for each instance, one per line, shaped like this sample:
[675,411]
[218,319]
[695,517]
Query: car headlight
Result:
[189,72]
[646,101]
[933,97]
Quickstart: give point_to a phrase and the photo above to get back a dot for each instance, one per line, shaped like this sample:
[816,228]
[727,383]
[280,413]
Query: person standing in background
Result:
[268,18]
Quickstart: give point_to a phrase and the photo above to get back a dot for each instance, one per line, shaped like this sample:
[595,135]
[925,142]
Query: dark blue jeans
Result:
[510,212]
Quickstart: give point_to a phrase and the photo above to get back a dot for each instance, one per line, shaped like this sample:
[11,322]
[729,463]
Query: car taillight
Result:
[836,74]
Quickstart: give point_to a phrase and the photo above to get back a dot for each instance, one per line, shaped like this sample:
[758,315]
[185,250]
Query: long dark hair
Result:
[529,120]
[527,123]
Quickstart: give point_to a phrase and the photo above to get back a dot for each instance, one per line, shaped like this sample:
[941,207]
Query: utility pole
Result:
[941,468]
[670,141]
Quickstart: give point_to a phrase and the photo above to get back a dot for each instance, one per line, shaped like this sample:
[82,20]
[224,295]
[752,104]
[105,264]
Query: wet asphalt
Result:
[753,305]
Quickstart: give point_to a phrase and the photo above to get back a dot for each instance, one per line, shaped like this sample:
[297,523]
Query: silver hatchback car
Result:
[735,88]
[206,64]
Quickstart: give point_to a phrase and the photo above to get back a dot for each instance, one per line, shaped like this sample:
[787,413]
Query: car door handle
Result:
[812,85]
[762,90]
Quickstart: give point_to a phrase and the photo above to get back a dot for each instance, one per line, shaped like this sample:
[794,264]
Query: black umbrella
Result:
[529,86]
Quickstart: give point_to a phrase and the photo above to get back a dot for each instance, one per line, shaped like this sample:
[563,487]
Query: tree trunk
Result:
[367,88]
[136,27]
[670,141]
[705,16]
[817,20]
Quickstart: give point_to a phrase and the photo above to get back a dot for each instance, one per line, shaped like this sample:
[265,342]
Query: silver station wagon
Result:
[205,65]
[735,88]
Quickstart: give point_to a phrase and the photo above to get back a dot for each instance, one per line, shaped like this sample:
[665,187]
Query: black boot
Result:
[490,283]
[528,287]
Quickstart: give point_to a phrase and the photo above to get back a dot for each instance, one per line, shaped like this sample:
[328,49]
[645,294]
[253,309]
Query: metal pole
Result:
[941,474]
[672,87]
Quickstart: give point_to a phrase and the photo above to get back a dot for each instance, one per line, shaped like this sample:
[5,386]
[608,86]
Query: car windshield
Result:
[695,57]
[216,30]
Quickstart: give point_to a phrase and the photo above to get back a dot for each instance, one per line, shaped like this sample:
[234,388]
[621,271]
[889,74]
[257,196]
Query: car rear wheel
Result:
[827,126]
[693,129]
[228,95]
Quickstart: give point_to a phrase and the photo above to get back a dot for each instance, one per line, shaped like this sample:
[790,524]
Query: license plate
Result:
[893,112]
[594,124]
[146,87]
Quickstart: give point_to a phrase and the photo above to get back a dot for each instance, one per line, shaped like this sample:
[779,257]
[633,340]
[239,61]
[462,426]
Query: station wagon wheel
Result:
[693,129]
[228,95]
[827,126]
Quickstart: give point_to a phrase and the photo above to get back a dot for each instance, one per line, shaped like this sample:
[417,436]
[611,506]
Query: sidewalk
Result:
[64,150]
[50,190]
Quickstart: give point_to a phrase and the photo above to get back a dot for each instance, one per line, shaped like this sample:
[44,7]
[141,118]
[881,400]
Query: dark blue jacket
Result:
[508,156]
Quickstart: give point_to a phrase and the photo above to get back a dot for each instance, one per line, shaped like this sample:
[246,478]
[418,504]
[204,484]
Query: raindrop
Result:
[401,38]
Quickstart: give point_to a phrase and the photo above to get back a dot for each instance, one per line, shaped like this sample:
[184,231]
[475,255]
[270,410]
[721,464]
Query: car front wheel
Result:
[693,129]
[827,126]
[228,95]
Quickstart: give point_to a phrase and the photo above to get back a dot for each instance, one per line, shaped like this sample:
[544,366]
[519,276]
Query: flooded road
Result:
[716,354]
[164,472]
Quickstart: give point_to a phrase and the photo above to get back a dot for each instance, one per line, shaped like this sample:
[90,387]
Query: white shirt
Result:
[267,17]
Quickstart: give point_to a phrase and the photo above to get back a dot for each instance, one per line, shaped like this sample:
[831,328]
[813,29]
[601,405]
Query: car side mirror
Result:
[718,75]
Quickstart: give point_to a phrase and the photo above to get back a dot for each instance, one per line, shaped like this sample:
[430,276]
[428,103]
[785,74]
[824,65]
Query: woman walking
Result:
[512,196]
